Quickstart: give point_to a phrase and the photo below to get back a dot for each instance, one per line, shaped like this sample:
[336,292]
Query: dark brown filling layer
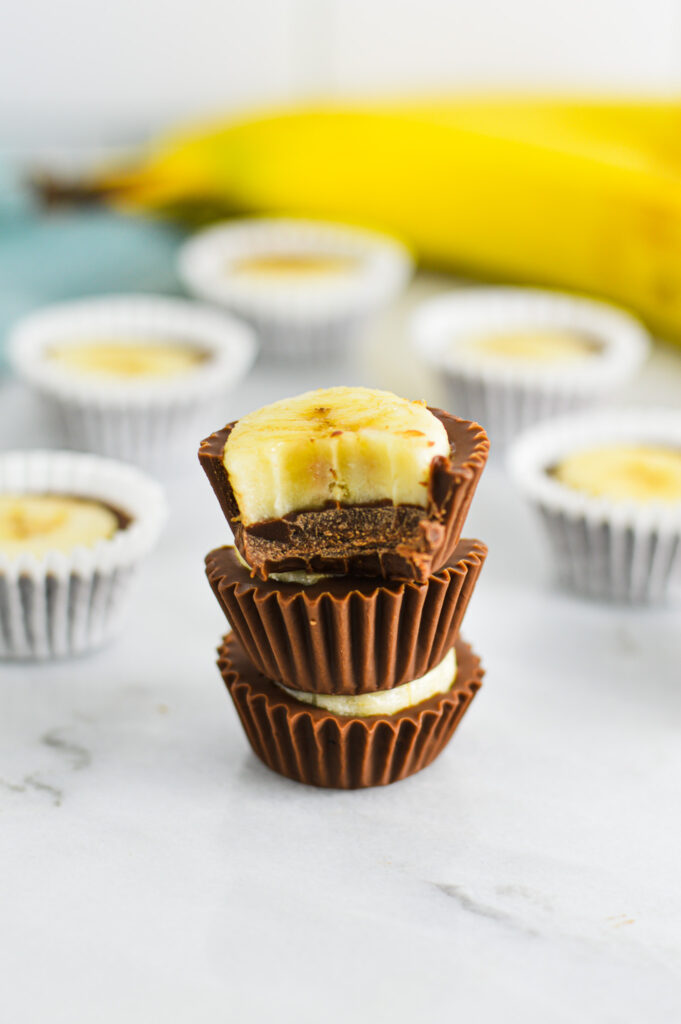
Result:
[374,540]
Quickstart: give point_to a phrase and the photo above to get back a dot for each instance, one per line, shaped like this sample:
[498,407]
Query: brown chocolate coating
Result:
[378,539]
[311,745]
[346,635]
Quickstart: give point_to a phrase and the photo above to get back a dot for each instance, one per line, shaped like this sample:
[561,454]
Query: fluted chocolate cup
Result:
[378,539]
[346,635]
[316,747]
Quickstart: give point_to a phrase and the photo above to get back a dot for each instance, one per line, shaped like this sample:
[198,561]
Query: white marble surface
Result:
[152,870]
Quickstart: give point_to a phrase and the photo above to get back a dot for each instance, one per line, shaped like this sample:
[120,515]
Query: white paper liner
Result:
[506,398]
[68,603]
[315,317]
[145,420]
[613,550]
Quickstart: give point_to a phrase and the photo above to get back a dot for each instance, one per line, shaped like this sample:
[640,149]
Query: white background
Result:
[100,73]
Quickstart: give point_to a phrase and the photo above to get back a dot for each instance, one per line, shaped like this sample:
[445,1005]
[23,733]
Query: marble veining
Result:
[31,783]
[474,906]
[77,756]
[43,781]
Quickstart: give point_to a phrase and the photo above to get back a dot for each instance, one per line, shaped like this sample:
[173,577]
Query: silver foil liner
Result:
[508,397]
[150,421]
[307,318]
[622,551]
[69,603]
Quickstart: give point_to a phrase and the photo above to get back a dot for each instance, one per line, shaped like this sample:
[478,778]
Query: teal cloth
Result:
[51,256]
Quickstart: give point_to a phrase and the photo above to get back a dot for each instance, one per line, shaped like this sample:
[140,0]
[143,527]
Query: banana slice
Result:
[354,446]
[127,358]
[385,702]
[37,524]
[532,346]
[292,266]
[624,473]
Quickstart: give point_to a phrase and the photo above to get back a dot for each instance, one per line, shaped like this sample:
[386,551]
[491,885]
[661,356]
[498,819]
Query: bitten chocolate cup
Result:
[346,635]
[381,539]
[313,746]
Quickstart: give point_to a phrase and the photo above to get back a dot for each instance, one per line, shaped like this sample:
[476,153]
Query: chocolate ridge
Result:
[377,539]
[346,635]
[313,746]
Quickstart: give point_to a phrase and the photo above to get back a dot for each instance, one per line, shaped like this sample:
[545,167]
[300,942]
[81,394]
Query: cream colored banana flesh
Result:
[385,702]
[39,524]
[125,358]
[624,472]
[546,347]
[351,445]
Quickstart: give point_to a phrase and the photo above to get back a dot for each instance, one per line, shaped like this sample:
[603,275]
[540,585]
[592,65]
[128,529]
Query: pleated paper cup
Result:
[505,396]
[346,635]
[304,317]
[148,421]
[624,551]
[313,746]
[68,603]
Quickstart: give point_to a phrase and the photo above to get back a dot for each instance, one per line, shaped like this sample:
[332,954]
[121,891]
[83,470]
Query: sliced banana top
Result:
[544,346]
[38,524]
[385,702]
[347,445]
[127,358]
[624,472]
[292,267]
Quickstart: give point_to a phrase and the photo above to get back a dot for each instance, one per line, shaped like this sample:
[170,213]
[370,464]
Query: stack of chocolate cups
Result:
[369,624]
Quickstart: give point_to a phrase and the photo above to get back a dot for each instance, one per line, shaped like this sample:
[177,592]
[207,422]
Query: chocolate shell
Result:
[378,539]
[346,635]
[311,745]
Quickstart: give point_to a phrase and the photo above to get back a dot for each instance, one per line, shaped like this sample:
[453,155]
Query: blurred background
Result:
[85,89]
[79,84]
[79,74]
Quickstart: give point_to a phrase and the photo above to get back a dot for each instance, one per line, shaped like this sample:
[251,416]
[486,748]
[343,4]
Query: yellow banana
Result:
[579,195]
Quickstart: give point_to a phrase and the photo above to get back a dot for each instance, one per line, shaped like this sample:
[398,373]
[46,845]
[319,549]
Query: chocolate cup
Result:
[378,539]
[346,635]
[311,745]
